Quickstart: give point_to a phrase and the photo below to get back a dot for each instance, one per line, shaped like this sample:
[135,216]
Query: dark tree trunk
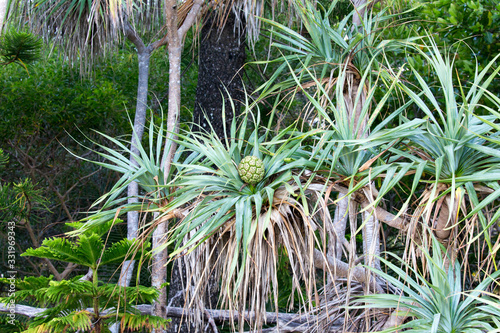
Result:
[221,59]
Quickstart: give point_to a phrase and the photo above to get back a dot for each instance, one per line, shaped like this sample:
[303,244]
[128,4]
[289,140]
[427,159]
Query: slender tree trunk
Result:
[175,35]
[133,188]
[143,54]
[222,56]
[3,13]
[159,275]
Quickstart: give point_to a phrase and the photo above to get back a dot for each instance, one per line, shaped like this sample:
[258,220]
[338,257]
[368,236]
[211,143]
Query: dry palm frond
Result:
[86,30]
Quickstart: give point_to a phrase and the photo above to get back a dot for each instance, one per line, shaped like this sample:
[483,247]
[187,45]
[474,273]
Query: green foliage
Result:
[54,99]
[39,115]
[330,48]
[88,250]
[458,156]
[475,22]
[210,172]
[77,305]
[437,138]
[437,304]
[19,47]
[3,159]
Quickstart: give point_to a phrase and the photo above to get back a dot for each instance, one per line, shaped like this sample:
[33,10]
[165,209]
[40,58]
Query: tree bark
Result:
[3,13]
[139,123]
[143,54]
[339,224]
[175,36]
[176,312]
[360,6]
[221,59]
[371,233]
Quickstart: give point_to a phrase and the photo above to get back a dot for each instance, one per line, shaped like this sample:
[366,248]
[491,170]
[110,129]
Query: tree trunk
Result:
[143,54]
[360,6]
[3,13]
[175,35]
[221,59]
[139,122]
[339,225]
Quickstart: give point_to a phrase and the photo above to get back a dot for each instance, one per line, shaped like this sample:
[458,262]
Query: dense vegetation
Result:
[377,132]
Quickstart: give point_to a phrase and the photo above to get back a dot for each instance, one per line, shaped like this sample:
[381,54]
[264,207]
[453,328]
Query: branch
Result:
[22,310]
[35,242]
[159,43]
[70,268]
[381,214]
[190,18]
[211,322]
[342,270]
[289,319]
[132,36]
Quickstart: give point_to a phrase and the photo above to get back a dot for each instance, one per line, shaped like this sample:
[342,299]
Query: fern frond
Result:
[136,294]
[70,291]
[86,251]
[58,249]
[121,251]
[90,247]
[30,288]
[80,320]
[137,322]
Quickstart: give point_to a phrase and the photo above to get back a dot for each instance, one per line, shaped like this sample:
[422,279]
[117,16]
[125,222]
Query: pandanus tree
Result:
[459,161]
[233,228]
[288,207]
[87,30]
[338,68]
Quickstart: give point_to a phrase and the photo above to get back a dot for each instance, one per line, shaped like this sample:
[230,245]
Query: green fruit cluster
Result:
[251,170]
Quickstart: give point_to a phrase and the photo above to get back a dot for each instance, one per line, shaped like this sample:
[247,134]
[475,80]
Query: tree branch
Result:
[132,36]
[342,269]
[190,18]
[285,319]
[382,215]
